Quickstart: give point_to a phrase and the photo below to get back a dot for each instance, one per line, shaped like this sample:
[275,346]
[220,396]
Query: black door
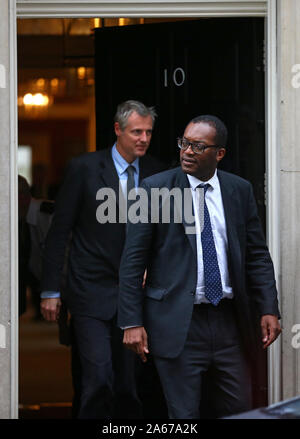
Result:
[184,69]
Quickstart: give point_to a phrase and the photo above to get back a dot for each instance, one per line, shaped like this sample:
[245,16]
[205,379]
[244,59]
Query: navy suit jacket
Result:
[165,305]
[95,249]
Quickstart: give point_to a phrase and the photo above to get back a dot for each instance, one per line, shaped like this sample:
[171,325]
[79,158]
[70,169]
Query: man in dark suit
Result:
[108,385]
[204,272]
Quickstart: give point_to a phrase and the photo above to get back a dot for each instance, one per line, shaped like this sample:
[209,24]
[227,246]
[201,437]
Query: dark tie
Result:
[212,277]
[130,185]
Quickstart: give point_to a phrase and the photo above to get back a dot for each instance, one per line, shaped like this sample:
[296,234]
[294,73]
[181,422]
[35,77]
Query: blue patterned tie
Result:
[212,277]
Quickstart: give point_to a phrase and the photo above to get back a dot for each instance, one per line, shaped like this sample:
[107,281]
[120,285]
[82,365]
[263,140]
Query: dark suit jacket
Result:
[95,250]
[165,306]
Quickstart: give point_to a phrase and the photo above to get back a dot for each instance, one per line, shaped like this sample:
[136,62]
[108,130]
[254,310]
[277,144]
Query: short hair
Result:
[125,109]
[217,124]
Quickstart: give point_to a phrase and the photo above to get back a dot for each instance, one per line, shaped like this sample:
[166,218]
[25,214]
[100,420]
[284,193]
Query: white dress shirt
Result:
[215,208]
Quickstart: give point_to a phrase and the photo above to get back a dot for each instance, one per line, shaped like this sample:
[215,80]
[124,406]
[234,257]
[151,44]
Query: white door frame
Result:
[157,8]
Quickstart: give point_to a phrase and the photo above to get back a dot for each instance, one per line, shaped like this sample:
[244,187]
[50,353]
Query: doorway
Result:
[183,87]
[56,121]
[185,69]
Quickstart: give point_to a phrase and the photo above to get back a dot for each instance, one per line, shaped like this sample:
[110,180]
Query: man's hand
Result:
[50,309]
[270,329]
[136,339]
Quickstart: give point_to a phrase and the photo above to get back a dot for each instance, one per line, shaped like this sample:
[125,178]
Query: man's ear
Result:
[220,154]
[117,129]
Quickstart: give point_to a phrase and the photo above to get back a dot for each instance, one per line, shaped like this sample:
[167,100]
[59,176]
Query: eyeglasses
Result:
[197,148]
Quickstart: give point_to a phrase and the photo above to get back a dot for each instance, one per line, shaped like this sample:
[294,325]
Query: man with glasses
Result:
[194,314]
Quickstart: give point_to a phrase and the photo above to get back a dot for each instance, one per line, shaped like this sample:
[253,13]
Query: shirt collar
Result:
[194,181]
[121,163]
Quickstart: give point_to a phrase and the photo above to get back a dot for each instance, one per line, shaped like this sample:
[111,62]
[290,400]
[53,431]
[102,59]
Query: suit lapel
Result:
[232,213]
[187,209]
[109,173]
[227,192]
[230,202]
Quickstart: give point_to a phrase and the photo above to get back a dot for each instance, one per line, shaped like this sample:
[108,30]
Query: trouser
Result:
[76,372]
[108,371]
[213,345]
